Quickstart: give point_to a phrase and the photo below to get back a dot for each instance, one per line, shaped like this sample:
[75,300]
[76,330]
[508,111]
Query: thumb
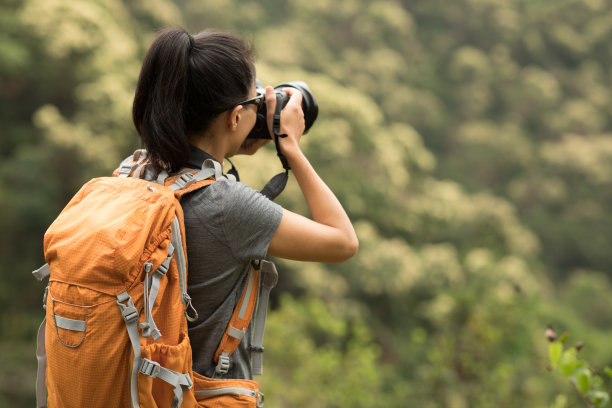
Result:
[270,108]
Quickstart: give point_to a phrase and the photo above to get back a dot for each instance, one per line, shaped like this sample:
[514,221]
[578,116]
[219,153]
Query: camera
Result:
[309,106]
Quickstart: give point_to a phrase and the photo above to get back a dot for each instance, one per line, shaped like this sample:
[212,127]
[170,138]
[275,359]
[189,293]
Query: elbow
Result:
[353,247]
[348,250]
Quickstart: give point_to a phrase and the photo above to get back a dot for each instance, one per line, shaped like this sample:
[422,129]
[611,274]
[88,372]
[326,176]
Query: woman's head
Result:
[184,85]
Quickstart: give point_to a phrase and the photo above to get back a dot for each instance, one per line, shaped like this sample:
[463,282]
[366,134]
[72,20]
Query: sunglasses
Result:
[257,101]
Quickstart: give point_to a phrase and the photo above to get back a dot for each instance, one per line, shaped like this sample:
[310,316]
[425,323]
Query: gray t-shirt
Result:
[227,225]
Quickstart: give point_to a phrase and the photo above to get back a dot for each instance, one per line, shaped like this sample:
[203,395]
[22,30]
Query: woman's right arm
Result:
[327,237]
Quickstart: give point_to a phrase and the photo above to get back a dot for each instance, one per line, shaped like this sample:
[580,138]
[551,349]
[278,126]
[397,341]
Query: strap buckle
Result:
[150,368]
[184,180]
[129,311]
[162,269]
[126,169]
[224,364]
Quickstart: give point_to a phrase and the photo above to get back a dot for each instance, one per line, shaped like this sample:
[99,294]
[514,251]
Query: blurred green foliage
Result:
[469,140]
[588,382]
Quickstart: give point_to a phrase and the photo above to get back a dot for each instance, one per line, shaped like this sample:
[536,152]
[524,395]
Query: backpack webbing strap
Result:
[41,352]
[210,168]
[130,316]
[239,322]
[151,287]
[41,357]
[127,166]
[42,272]
[180,382]
[269,277]
[181,263]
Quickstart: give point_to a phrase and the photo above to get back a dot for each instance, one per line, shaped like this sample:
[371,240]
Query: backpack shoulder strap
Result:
[133,163]
[239,322]
[190,180]
[262,278]
[186,181]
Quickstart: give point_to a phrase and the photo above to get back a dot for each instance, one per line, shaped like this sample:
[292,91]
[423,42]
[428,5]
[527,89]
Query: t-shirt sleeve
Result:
[249,220]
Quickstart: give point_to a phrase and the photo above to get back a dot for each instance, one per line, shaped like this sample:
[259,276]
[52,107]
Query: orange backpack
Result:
[115,331]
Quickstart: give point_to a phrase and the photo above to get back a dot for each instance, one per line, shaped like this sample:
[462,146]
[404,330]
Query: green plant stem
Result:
[584,397]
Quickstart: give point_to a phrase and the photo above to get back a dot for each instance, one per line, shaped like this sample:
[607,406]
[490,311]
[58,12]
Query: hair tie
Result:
[191,41]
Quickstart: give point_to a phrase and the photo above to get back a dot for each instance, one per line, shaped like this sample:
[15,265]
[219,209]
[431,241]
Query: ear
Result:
[234,117]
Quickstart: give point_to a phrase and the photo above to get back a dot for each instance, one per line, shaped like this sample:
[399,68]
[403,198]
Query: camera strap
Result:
[277,184]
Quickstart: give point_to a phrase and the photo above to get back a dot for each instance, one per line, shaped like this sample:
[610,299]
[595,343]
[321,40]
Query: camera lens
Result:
[309,106]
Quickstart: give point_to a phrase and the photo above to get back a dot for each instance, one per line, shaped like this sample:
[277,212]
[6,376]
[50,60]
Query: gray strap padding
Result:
[130,316]
[70,324]
[235,333]
[42,272]
[41,357]
[247,298]
[179,381]
[268,277]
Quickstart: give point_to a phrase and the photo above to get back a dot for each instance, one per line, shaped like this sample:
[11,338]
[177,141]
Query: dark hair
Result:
[183,86]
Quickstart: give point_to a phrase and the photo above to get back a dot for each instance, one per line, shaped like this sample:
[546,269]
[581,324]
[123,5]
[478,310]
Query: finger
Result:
[270,107]
[295,96]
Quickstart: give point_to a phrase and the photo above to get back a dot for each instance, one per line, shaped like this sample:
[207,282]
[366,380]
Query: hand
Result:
[250,146]
[292,119]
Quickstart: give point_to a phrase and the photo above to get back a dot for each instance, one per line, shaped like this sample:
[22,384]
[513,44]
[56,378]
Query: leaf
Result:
[608,372]
[569,363]
[559,402]
[555,350]
[583,380]
[599,398]
[564,337]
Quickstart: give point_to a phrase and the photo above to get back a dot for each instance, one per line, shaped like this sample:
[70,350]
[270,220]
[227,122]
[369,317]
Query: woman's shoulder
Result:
[228,192]
[231,205]
[226,187]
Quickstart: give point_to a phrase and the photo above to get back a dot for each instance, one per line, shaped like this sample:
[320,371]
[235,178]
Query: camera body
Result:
[309,106]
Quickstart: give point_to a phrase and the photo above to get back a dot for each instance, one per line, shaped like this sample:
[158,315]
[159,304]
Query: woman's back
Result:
[227,224]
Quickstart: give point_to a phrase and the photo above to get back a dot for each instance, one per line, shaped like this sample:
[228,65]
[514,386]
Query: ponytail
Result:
[184,83]
[158,104]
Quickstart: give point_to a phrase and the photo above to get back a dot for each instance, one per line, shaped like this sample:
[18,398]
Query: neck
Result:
[209,144]
[215,140]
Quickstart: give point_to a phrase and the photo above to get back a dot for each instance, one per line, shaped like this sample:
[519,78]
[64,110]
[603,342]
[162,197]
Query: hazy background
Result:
[469,140]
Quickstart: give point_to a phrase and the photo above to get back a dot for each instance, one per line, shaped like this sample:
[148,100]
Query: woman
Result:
[196,100]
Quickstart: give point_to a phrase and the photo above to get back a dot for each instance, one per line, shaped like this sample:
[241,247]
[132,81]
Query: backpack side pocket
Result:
[164,375]
[211,392]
